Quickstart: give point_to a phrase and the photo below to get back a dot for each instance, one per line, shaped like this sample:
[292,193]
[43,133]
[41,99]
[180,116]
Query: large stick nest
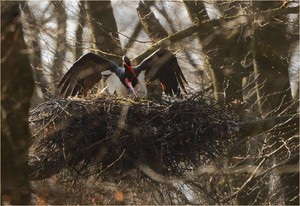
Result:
[119,134]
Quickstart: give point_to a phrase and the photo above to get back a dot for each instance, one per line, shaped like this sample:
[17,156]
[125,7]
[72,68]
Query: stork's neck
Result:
[129,72]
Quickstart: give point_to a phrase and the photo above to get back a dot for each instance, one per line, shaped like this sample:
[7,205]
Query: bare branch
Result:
[262,125]
[209,24]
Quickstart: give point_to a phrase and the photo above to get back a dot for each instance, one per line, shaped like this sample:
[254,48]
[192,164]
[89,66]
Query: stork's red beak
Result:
[130,86]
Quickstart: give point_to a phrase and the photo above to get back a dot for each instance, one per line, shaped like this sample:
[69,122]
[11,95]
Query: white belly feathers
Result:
[114,85]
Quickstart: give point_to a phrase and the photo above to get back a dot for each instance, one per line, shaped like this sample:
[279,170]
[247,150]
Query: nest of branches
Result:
[119,134]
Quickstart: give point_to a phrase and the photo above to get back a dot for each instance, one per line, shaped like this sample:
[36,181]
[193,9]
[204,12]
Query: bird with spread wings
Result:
[88,69]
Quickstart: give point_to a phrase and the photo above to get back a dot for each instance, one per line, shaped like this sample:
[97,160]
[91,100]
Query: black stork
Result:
[86,72]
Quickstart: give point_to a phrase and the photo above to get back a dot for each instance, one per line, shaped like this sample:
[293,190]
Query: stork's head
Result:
[126,61]
[128,67]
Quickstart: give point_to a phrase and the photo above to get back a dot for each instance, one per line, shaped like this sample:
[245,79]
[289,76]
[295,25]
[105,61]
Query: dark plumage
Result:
[86,72]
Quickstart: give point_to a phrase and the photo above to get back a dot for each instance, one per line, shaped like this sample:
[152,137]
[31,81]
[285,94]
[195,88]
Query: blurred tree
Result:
[79,31]
[155,32]
[271,53]
[16,90]
[150,23]
[271,57]
[225,50]
[105,38]
[35,54]
[259,49]
[61,41]
[104,30]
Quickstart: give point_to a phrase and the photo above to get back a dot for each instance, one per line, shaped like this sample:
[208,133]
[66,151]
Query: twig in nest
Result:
[118,133]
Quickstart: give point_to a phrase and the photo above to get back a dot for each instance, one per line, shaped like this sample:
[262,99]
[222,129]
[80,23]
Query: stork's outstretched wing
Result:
[163,65]
[84,74]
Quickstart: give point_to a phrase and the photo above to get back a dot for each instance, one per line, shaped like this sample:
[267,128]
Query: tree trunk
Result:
[225,50]
[79,31]
[35,56]
[198,13]
[16,91]
[271,48]
[272,61]
[61,41]
[105,36]
[150,23]
[156,32]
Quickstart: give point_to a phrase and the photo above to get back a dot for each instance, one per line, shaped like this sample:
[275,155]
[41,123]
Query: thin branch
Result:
[255,127]
[205,26]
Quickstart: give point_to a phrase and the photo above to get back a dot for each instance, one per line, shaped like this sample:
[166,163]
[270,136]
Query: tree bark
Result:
[197,12]
[16,91]
[150,23]
[79,31]
[156,32]
[35,56]
[61,41]
[224,49]
[105,36]
[271,62]
[207,25]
